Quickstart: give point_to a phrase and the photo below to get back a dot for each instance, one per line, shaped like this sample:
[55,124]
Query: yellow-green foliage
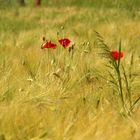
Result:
[42,98]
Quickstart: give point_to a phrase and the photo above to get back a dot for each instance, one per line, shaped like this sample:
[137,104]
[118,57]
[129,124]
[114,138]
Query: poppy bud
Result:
[43,38]
[57,33]
[70,49]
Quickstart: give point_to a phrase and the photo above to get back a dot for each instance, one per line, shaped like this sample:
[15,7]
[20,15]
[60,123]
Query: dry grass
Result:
[40,100]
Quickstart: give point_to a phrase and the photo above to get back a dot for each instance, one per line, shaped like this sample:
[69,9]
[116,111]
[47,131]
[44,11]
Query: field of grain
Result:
[63,94]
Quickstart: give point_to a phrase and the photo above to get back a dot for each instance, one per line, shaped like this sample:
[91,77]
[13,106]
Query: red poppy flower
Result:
[48,45]
[65,42]
[115,55]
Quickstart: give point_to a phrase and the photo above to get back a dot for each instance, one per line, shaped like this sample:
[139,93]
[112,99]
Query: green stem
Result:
[120,86]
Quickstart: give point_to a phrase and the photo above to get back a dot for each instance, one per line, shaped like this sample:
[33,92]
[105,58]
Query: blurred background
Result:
[127,4]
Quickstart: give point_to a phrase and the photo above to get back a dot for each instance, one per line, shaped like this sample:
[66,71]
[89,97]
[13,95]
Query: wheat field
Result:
[53,94]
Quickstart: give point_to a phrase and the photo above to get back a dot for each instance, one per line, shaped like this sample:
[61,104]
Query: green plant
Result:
[120,79]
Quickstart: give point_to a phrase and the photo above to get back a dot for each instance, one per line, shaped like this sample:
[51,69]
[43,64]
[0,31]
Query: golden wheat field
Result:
[69,93]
